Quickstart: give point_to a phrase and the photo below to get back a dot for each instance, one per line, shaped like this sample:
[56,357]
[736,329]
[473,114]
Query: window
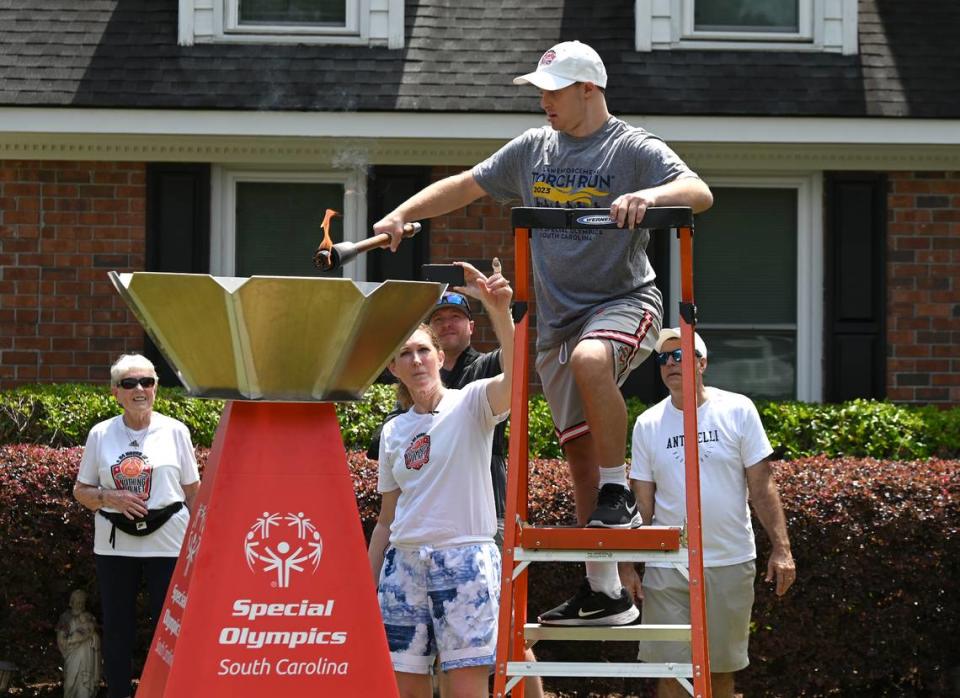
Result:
[292,16]
[341,22]
[758,287]
[759,25]
[293,12]
[748,19]
[268,223]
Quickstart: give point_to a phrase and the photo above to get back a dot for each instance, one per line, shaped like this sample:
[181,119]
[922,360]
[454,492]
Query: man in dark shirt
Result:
[452,320]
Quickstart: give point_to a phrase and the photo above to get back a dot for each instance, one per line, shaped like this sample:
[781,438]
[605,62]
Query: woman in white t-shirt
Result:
[432,551]
[139,473]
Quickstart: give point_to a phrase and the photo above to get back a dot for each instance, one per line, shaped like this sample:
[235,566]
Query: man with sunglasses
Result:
[734,463]
[598,308]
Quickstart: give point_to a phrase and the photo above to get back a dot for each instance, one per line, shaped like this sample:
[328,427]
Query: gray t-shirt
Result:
[577,270]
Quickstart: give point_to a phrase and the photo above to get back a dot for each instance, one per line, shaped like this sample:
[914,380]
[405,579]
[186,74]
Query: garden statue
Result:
[80,646]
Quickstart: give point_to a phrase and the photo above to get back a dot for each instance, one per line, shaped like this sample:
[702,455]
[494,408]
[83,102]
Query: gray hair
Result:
[130,362]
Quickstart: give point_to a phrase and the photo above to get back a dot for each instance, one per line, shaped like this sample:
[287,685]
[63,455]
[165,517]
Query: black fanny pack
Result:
[144,526]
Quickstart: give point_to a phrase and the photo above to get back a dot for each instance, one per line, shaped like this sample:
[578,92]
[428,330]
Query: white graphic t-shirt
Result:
[162,461]
[730,438]
[441,464]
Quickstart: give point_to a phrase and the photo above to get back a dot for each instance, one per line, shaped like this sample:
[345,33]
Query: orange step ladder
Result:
[524,544]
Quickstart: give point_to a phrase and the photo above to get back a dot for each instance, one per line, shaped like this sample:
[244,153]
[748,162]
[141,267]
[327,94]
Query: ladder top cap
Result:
[657,218]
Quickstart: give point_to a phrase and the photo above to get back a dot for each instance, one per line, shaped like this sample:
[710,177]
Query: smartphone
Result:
[450,274]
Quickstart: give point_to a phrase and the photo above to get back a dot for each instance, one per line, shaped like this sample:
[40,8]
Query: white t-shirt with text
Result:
[159,465]
[441,463]
[730,439]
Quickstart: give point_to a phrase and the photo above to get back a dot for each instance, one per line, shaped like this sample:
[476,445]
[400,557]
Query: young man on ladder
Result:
[598,310]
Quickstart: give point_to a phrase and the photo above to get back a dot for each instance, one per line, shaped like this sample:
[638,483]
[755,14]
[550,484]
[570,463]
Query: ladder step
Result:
[590,669]
[658,538]
[578,555]
[615,633]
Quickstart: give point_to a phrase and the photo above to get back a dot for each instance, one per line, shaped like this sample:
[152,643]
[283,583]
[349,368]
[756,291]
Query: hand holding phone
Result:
[450,274]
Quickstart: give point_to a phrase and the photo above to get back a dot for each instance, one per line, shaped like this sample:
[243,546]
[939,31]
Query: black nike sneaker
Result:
[616,508]
[590,607]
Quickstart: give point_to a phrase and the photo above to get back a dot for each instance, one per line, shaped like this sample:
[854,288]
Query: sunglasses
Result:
[454,299]
[677,355]
[131,383]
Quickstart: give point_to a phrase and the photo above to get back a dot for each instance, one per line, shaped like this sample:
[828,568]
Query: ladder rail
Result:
[698,611]
[513,603]
[513,593]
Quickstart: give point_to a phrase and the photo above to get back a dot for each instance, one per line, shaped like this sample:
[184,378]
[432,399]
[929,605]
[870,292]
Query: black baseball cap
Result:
[454,300]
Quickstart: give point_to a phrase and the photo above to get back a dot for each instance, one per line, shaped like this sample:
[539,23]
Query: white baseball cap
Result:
[674,333]
[565,64]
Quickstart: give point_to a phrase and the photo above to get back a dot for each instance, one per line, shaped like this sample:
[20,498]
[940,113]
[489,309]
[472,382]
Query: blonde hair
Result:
[403,394]
[127,363]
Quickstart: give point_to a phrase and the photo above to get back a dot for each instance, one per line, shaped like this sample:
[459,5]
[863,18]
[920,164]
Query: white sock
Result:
[616,475]
[604,576]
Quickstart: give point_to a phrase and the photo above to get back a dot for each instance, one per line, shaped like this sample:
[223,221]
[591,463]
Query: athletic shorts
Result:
[631,331]
[666,601]
[440,602]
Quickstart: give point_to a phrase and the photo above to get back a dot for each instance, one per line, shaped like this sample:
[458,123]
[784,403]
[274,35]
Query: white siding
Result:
[380,23]
[643,30]
[834,29]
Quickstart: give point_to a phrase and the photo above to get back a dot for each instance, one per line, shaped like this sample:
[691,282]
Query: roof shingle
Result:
[460,56]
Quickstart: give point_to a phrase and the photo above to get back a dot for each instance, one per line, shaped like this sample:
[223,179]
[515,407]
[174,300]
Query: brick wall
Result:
[63,226]
[923,276]
[476,234]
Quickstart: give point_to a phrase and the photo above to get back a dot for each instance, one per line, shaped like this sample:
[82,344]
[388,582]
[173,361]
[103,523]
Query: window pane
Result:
[278,226]
[745,288]
[293,12]
[747,15]
[759,364]
[745,257]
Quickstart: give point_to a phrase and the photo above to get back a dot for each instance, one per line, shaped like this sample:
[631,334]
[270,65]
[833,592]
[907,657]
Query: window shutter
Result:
[178,231]
[387,188]
[855,314]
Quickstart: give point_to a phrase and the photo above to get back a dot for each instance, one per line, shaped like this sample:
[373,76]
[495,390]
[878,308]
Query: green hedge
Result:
[61,415]
[861,428]
[874,611]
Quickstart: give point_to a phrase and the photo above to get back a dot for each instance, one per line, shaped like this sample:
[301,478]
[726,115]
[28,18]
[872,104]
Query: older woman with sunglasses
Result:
[139,473]
[432,551]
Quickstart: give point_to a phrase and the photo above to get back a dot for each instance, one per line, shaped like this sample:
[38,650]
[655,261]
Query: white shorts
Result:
[666,601]
[441,602]
[631,331]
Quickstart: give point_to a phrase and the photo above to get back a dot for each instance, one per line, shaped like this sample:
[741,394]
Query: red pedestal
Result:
[272,594]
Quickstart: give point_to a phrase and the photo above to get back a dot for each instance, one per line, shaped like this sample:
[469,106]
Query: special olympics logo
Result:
[269,546]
